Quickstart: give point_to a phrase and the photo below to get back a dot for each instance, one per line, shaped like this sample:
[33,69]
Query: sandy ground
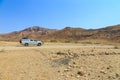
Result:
[59,61]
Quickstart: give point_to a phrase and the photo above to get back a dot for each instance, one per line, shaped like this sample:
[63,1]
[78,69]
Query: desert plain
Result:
[59,61]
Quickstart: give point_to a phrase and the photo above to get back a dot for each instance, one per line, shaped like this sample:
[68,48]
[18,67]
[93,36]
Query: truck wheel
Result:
[26,44]
[39,44]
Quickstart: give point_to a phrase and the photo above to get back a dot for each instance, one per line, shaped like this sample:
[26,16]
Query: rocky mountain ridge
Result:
[110,33]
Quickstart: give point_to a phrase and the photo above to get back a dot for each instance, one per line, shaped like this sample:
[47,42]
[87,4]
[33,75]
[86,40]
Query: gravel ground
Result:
[59,61]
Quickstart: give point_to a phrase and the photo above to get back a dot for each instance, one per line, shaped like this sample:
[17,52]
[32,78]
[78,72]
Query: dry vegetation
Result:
[59,61]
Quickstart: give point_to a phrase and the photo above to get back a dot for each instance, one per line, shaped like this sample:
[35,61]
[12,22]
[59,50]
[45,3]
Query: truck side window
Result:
[35,40]
[31,40]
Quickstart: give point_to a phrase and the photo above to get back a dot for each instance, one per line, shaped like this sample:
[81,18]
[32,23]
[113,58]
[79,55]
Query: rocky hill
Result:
[31,32]
[110,33]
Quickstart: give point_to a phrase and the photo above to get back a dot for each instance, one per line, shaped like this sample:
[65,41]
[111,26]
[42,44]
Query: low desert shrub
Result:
[116,47]
[60,53]
[2,50]
[67,41]
[53,40]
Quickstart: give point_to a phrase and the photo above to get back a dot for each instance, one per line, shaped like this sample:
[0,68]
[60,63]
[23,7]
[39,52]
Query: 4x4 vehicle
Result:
[27,42]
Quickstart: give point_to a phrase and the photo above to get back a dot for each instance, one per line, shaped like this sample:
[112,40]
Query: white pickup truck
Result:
[27,42]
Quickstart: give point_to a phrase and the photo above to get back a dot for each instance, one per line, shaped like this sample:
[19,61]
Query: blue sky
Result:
[56,14]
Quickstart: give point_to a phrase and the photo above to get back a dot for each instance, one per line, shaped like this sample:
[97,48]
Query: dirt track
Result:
[59,61]
[14,46]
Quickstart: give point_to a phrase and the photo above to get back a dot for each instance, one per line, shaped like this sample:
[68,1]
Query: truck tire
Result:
[39,44]
[26,44]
